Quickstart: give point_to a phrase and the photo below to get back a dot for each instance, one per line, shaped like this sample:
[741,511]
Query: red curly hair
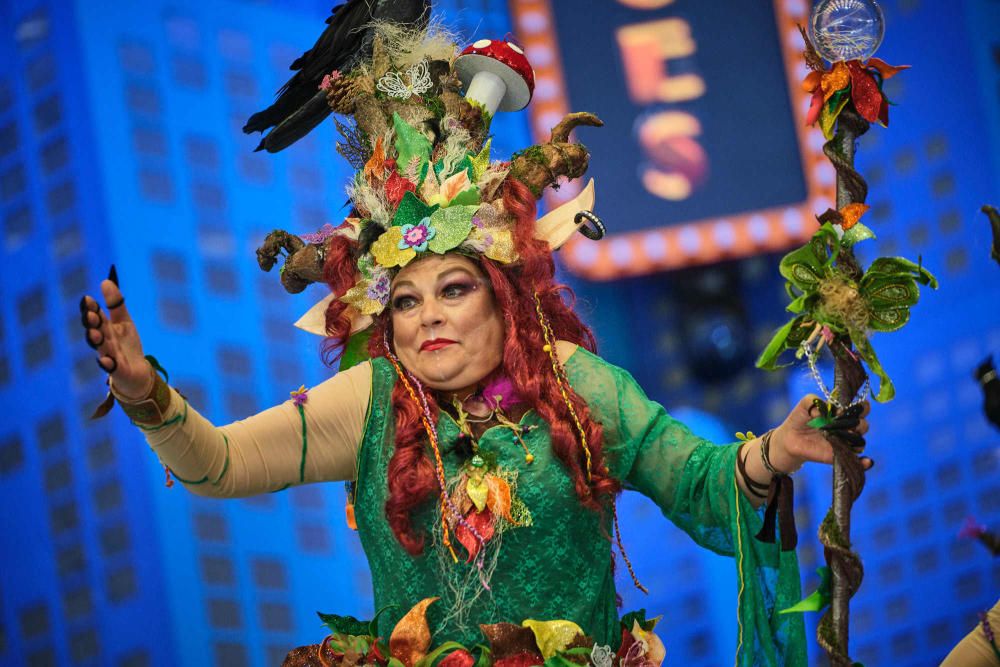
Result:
[411,472]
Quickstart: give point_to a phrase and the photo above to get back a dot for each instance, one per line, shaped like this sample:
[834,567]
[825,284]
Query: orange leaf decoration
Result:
[375,167]
[834,80]
[886,70]
[812,81]
[498,498]
[411,637]
[851,213]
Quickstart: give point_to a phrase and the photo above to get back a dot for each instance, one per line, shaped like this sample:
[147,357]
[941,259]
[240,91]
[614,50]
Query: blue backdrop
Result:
[120,142]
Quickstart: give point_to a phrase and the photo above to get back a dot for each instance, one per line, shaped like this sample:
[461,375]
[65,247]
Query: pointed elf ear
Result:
[558,225]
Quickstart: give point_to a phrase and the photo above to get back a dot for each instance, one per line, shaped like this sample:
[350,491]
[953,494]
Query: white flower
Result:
[601,656]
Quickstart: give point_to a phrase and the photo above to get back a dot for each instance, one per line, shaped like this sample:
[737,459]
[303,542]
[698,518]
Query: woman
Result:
[485,438]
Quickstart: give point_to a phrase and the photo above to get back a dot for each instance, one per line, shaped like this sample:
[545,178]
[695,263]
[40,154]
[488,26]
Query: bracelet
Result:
[150,410]
[765,458]
[753,486]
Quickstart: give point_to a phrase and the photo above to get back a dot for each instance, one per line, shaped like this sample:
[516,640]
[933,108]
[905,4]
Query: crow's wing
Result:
[346,40]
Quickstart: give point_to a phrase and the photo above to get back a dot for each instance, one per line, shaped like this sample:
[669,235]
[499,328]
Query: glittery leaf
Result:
[411,211]
[481,161]
[478,491]
[387,251]
[831,110]
[507,640]
[411,637]
[482,523]
[865,94]
[553,636]
[856,234]
[468,197]
[453,225]
[836,79]
[396,187]
[375,167]
[410,143]
[851,213]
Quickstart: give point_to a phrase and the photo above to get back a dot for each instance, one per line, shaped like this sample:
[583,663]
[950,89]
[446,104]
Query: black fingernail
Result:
[83,304]
[113,275]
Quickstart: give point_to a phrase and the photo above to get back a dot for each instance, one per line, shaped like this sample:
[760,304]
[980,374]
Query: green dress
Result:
[559,567]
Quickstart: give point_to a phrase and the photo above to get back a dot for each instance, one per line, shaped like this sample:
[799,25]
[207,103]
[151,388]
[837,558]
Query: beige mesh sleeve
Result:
[276,448]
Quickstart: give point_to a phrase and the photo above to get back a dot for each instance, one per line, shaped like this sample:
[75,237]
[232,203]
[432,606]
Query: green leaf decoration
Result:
[468,197]
[778,344]
[859,232]
[410,143]
[453,225]
[818,600]
[640,616]
[373,625]
[806,266]
[901,265]
[356,350]
[886,390]
[890,288]
[559,660]
[447,647]
[347,625]
[411,211]
[485,658]
[394,662]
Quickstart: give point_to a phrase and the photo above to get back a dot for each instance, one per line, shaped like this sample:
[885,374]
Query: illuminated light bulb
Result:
[846,29]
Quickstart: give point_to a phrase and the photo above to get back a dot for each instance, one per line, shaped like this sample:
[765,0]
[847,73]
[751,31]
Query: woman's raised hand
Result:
[113,335]
[796,442]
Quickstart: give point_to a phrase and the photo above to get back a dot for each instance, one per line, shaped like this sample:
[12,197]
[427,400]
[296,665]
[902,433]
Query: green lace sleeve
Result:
[693,482]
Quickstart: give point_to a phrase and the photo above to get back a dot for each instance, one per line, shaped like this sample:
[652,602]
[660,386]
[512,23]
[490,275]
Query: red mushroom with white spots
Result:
[496,74]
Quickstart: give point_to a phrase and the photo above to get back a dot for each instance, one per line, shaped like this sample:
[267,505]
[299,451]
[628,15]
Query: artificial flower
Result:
[328,79]
[300,396]
[417,236]
[653,645]
[601,656]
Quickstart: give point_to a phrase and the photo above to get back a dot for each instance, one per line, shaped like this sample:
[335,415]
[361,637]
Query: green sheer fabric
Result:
[559,567]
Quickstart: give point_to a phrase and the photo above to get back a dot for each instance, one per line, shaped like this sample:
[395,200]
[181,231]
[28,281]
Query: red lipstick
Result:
[435,344]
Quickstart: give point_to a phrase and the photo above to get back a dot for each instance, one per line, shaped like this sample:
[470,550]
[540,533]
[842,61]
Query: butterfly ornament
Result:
[419,82]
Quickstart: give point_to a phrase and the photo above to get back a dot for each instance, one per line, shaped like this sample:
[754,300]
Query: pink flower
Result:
[328,80]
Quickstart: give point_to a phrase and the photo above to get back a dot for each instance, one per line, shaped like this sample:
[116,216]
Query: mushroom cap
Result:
[504,59]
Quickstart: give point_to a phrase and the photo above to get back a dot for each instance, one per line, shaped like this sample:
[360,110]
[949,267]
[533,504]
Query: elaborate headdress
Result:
[425,182]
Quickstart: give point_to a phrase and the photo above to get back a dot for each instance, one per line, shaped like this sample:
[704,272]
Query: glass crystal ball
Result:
[846,29]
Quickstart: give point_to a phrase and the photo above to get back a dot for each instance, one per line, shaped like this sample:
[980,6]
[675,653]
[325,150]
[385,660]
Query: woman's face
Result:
[447,329]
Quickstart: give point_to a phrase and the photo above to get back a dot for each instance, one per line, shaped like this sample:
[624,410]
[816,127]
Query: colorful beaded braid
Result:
[447,507]
[561,379]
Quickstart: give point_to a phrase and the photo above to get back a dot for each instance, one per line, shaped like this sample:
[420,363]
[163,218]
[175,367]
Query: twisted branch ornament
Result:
[849,376]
